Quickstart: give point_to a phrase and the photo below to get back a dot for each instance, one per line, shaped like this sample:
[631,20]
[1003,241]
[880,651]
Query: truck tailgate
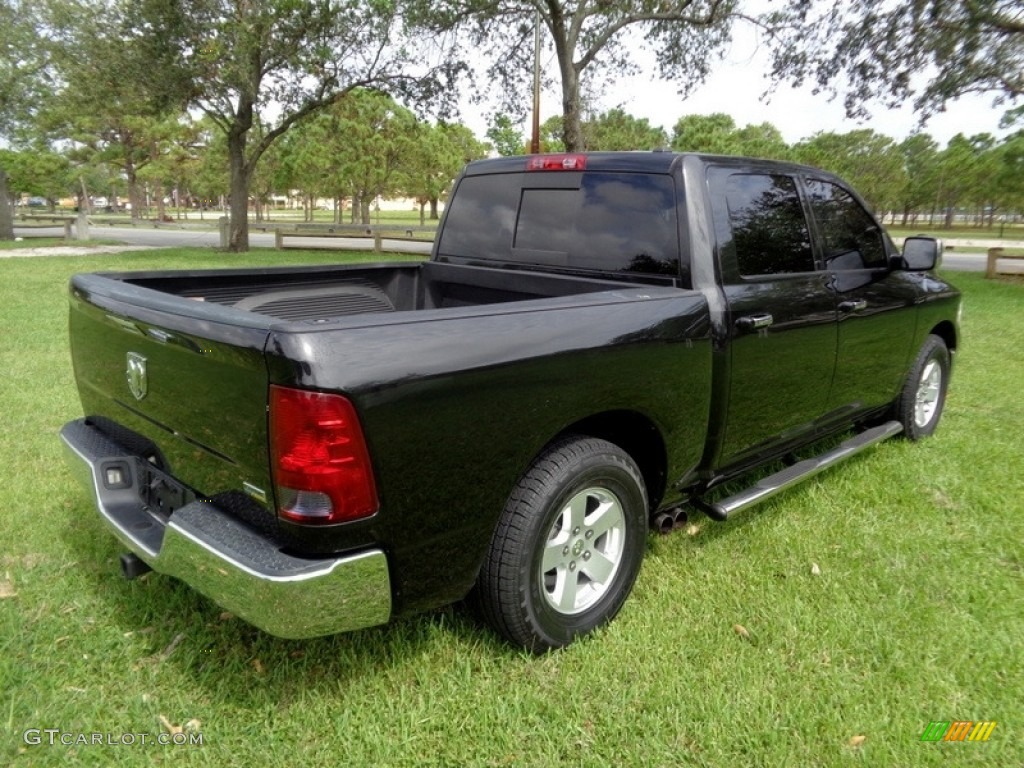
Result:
[179,373]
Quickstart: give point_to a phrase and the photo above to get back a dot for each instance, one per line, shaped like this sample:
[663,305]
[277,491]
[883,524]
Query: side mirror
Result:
[921,253]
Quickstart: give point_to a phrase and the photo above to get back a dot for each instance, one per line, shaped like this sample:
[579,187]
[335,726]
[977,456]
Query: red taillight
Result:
[557,163]
[322,471]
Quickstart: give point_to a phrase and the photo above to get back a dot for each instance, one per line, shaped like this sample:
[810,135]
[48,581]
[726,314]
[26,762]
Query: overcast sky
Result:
[736,87]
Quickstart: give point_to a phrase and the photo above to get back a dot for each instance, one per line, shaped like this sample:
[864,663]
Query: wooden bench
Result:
[67,221]
[994,254]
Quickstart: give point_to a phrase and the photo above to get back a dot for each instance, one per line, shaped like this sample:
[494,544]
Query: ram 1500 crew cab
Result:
[596,341]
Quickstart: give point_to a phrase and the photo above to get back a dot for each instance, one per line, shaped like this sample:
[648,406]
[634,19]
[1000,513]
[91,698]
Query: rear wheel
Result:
[920,404]
[568,547]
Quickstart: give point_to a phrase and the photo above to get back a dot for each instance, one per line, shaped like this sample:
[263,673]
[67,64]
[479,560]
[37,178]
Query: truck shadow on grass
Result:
[167,624]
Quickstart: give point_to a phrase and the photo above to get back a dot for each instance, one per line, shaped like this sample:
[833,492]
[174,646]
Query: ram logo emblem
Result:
[136,373]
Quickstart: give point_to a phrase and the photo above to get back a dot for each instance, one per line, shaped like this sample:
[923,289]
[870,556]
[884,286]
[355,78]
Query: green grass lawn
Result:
[878,597]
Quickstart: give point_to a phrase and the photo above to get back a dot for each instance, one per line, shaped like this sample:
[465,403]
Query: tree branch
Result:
[711,17]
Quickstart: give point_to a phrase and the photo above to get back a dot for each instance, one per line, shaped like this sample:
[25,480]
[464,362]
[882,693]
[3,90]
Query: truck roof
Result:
[657,161]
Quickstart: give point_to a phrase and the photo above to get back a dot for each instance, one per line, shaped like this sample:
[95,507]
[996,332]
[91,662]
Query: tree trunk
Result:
[423,211]
[6,214]
[84,203]
[161,211]
[131,175]
[241,175]
[433,209]
[572,130]
[364,207]
[565,43]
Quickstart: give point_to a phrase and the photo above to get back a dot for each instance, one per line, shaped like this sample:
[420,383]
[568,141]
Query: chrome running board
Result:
[767,487]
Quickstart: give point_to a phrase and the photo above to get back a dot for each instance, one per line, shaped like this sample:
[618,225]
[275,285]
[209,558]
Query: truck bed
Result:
[318,295]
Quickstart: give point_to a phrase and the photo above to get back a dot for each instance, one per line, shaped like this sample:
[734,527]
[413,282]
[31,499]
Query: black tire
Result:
[581,508]
[919,406]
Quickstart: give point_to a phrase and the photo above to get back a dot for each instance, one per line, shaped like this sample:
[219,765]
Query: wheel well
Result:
[947,333]
[636,435]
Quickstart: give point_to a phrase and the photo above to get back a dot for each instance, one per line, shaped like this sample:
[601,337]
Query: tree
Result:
[955,176]
[280,62]
[359,147]
[375,140]
[306,165]
[108,101]
[715,133]
[879,49]
[920,159]
[762,140]
[23,78]
[172,157]
[1010,178]
[266,177]
[439,153]
[983,192]
[617,130]
[201,176]
[869,161]
[588,37]
[37,171]
[506,139]
[551,135]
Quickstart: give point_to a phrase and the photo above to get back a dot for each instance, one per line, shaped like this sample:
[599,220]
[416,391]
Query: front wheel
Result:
[568,546]
[923,396]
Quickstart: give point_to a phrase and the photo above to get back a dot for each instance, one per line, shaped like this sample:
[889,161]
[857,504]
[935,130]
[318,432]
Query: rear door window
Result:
[760,223]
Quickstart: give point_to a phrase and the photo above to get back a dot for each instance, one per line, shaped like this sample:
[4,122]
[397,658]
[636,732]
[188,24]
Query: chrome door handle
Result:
[754,322]
[853,306]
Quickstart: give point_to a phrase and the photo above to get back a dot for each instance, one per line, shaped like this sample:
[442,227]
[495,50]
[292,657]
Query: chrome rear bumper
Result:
[227,560]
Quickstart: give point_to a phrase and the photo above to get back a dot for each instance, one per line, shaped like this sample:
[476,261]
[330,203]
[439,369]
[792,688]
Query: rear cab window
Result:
[605,222]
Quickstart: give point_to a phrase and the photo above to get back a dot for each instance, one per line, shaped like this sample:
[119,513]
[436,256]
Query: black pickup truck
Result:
[597,342]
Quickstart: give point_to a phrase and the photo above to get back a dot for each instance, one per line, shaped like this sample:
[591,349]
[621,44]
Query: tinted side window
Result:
[768,229]
[608,222]
[852,239]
